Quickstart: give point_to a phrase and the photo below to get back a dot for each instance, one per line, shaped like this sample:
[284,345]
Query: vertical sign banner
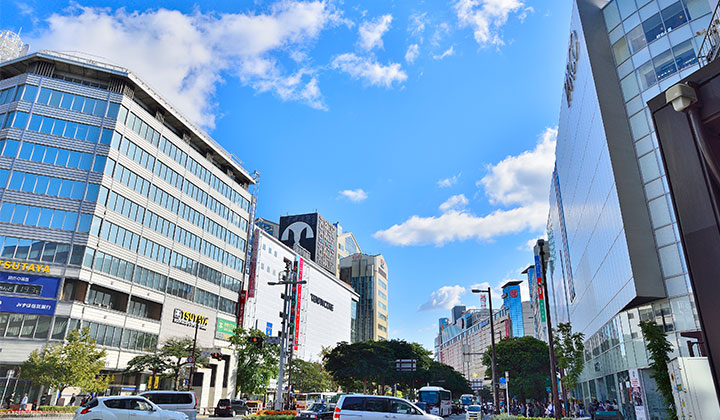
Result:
[541,295]
[298,301]
[483,301]
[637,394]
[241,308]
[253,263]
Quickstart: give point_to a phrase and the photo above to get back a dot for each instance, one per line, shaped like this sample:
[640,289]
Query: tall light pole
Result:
[492,344]
[542,251]
[288,280]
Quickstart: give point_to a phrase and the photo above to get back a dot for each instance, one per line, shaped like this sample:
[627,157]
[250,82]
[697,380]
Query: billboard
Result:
[24,305]
[27,284]
[225,329]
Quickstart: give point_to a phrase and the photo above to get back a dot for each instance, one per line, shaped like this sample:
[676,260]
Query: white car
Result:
[474,412]
[124,408]
[376,407]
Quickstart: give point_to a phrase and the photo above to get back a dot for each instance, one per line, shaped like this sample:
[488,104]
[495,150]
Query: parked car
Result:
[375,407]
[474,412]
[240,407]
[181,401]
[124,408]
[318,410]
[224,408]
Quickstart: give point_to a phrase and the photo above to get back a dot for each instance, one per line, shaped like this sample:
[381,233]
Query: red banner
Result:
[299,301]
[241,308]
[253,263]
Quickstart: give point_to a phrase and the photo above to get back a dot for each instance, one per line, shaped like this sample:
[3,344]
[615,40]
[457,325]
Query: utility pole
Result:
[542,250]
[492,344]
[192,367]
[289,281]
[507,391]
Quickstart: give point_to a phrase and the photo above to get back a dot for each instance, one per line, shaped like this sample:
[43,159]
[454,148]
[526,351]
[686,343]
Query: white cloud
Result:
[416,27]
[487,17]
[441,31]
[371,32]
[412,53]
[449,182]
[444,298]
[447,53]
[369,70]
[524,178]
[456,202]
[521,180]
[354,195]
[185,56]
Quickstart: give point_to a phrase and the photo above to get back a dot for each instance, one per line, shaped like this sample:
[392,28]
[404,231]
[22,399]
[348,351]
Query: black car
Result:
[317,411]
[240,407]
[224,408]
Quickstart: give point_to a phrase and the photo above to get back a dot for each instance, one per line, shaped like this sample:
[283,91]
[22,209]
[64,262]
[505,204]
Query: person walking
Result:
[9,400]
[23,402]
[72,399]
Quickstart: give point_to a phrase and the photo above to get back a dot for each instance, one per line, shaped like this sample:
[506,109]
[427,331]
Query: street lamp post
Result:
[542,252]
[492,344]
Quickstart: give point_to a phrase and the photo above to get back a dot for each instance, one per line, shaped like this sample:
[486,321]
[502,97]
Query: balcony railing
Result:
[711,43]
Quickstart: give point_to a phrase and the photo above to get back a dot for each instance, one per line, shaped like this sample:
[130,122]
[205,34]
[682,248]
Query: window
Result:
[664,65]
[695,8]
[376,405]
[401,407]
[353,404]
[636,39]
[684,55]
[653,28]
[612,16]
[621,51]
[673,16]
[646,75]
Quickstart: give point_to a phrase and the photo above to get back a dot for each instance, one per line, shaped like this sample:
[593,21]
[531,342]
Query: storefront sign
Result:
[637,394]
[325,304]
[253,263]
[225,329]
[25,284]
[241,307]
[541,295]
[24,266]
[571,67]
[298,301]
[189,319]
[23,305]
[268,328]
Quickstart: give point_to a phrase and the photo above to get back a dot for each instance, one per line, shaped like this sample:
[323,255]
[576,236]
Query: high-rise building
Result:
[615,255]
[313,233]
[272,228]
[512,301]
[368,275]
[116,214]
[539,326]
[346,245]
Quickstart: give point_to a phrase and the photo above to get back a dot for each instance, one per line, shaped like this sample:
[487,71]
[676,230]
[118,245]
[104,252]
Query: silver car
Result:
[181,401]
[124,408]
[376,407]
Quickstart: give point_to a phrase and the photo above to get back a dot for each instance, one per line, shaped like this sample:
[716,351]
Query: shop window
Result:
[106,298]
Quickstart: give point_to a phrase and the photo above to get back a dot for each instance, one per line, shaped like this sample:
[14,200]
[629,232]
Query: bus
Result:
[467,400]
[305,400]
[436,397]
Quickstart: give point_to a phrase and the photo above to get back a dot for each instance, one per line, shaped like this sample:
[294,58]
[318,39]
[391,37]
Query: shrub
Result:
[57,408]
[272,417]
[276,413]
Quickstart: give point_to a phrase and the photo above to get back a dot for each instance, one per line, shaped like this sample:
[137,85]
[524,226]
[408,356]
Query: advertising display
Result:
[27,284]
[253,264]
[298,300]
[23,305]
[225,329]
[189,319]
[541,295]
[637,394]
[23,293]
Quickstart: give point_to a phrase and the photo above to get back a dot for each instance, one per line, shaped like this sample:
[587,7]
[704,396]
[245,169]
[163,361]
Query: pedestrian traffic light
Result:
[256,340]
[216,356]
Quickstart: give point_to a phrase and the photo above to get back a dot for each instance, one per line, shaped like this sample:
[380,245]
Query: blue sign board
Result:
[30,285]
[268,328]
[23,305]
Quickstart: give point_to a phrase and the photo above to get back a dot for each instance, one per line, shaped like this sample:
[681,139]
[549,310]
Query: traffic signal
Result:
[256,340]
[216,356]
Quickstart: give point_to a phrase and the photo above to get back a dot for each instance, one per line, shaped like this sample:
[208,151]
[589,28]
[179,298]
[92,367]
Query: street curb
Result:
[35,415]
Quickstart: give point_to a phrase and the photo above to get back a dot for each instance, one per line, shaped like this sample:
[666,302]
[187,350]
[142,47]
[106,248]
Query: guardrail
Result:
[711,43]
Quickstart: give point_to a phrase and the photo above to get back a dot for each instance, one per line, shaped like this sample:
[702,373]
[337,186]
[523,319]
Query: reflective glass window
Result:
[6,212]
[684,55]
[45,217]
[612,16]
[627,7]
[653,28]
[664,65]
[621,51]
[646,75]
[673,16]
[11,147]
[30,93]
[697,8]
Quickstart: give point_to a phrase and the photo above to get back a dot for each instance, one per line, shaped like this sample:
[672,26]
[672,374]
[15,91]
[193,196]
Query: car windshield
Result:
[318,407]
[224,402]
[429,397]
[474,408]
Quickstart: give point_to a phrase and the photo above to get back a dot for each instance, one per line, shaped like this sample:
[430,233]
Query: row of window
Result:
[382,295]
[56,187]
[65,100]
[111,336]
[122,205]
[52,155]
[128,271]
[127,177]
[58,127]
[26,326]
[45,251]
[668,19]
[44,217]
[658,68]
[139,126]
[7,95]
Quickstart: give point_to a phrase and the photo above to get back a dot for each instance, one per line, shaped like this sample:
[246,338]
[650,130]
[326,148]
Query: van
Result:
[377,407]
[181,401]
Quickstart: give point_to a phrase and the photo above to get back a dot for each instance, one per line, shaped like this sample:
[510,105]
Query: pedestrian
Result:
[23,402]
[72,399]
[9,400]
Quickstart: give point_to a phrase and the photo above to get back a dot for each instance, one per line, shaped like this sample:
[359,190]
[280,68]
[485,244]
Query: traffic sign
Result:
[190,359]
[406,365]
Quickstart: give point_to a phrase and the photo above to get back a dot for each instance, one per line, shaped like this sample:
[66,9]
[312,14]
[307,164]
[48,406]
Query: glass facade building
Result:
[368,275]
[615,255]
[511,301]
[116,214]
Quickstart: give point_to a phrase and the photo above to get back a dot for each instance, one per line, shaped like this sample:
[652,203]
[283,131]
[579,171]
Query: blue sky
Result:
[426,128]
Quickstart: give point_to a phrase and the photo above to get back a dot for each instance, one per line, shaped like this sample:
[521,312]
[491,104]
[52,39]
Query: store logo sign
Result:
[325,304]
[571,67]
[189,319]
[23,266]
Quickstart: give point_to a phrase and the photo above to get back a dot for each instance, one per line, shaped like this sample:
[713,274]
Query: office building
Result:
[536,308]
[313,233]
[368,275]
[272,228]
[615,255]
[512,301]
[346,245]
[327,306]
[461,343]
[117,214]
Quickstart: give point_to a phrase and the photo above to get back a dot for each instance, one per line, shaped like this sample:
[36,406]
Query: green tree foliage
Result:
[659,349]
[74,362]
[256,364]
[174,353]
[527,360]
[366,365]
[310,377]
[569,353]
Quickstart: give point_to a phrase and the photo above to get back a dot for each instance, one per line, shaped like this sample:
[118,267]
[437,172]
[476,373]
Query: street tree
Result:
[310,377]
[257,364]
[446,376]
[569,353]
[175,352]
[527,360]
[77,362]
[154,363]
[659,349]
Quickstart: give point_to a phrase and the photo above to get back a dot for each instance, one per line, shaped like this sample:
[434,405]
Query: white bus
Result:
[436,397]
